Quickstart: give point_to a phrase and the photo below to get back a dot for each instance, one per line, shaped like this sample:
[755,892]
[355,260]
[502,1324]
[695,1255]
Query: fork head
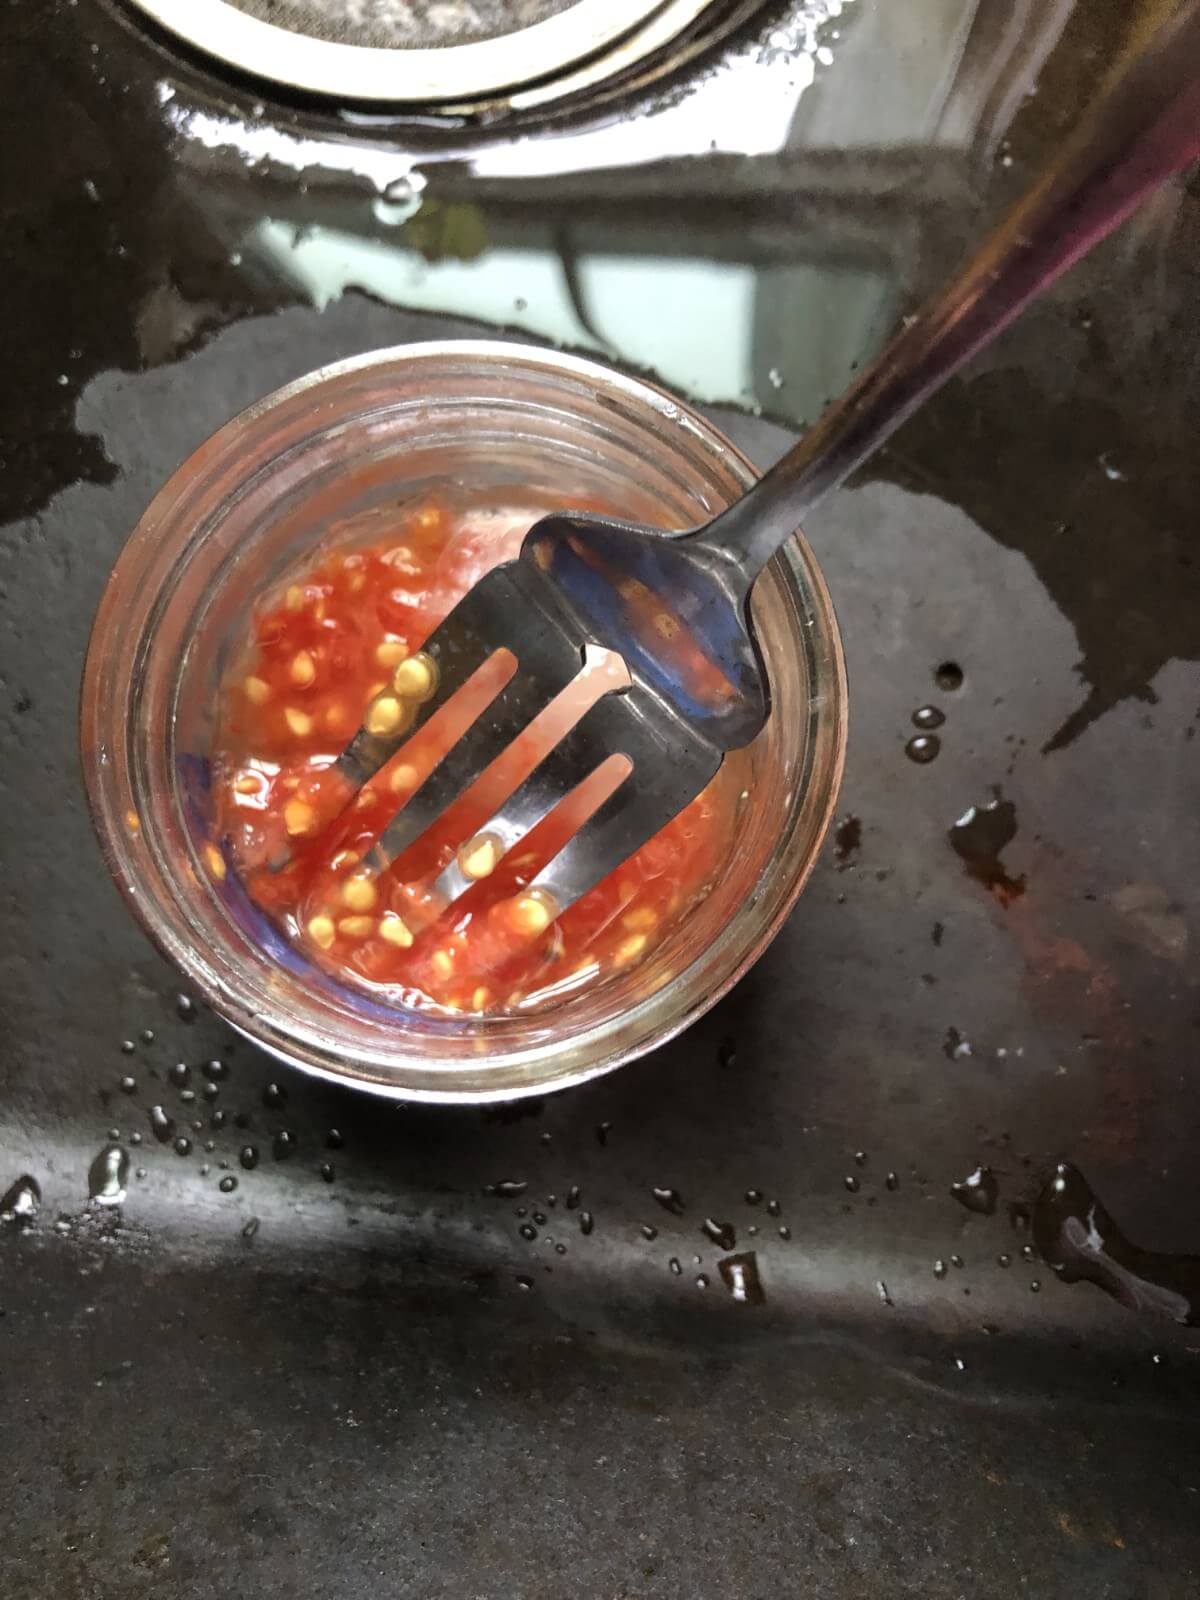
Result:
[694,688]
[673,606]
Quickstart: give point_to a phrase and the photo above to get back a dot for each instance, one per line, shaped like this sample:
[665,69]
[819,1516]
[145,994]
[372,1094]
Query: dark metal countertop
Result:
[335,1383]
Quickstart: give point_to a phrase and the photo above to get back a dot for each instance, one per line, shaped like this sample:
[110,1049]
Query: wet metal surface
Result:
[403,1352]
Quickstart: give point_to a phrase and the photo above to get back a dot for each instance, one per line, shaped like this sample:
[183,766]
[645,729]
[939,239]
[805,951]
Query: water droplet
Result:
[183,1145]
[928,718]
[753,1197]
[147,1036]
[722,1234]
[960,1363]
[185,1008]
[250,1228]
[399,201]
[740,1276]
[860,1158]
[586,1222]
[727,1055]
[135,1138]
[1111,471]
[574,1195]
[162,1125]
[127,1047]
[784,1232]
[670,1200]
[881,1289]
[892,1182]
[940,1269]
[603,1129]
[274,1097]
[527,1231]
[21,1200]
[283,1144]
[774,1209]
[649,1232]
[524,1283]
[560,1249]
[676,1266]
[335,1139]
[179,1074]
[218,1119]
[775,378]
[948,676]
[108,1176]
[978,837]
[851,1183]
[957,1261]
[327,1172]
[702,1280]
[956,1046]
[248,1156]
[923,748]
[187,1096]
[507,1188]
[540,1218]
[1004,1259]
[210,1091]
[215,1071]
[227,1184]
[978,1192]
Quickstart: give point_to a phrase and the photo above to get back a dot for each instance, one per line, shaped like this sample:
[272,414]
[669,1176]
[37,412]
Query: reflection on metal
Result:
[575,41]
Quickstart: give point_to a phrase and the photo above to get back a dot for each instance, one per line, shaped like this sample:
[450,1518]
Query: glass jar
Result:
[251,503]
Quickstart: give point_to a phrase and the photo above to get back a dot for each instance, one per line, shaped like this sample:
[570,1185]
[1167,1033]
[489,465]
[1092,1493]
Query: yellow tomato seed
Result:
[641,920]
[299,817]
[385,715]
[303,669]
[391,653]
[533,913]
[360,894]
[629,950]
[298,721]
[393,929]
[256,690]
[479,856]
[215,862]
[443,963]
[356,927]
[404,777]
[321,931]
[416,678]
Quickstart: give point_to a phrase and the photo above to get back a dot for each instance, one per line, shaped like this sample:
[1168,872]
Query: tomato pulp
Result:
[340,642]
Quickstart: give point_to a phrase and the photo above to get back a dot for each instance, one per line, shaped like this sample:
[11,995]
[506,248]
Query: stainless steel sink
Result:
[332,1365]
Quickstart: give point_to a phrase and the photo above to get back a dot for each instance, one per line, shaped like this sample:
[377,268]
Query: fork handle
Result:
[1145,126]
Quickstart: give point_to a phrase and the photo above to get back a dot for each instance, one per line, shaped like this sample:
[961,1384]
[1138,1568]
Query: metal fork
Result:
[675,606]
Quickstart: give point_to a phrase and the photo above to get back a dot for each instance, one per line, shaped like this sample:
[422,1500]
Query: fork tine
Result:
[458,647]
[654,792]
[557,774]
[513,709]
